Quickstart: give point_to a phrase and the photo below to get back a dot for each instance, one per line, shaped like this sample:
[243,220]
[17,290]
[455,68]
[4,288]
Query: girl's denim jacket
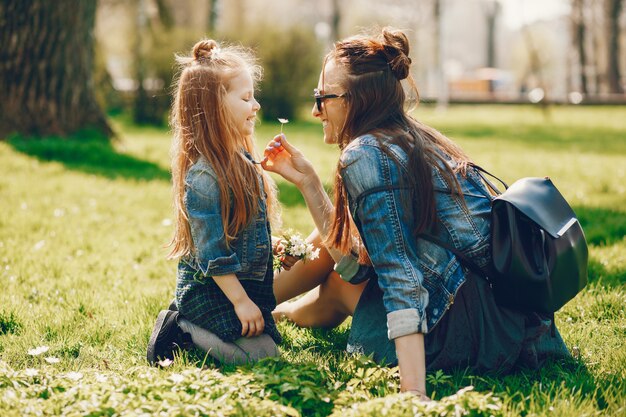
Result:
[419,279]
[247,255]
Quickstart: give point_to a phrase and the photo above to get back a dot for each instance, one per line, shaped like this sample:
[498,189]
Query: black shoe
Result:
[166,338]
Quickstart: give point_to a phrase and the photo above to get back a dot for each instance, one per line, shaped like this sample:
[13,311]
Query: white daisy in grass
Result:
[38,350]
[74,376]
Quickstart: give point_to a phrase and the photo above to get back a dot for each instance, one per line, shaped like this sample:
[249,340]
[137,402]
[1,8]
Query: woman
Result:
[398,179]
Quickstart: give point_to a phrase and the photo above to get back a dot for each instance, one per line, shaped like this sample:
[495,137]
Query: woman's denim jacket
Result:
[247,255]
[418,278]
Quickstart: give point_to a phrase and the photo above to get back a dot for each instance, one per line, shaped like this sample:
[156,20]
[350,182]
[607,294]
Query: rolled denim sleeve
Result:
[351,271]
[202,200]
[399,276]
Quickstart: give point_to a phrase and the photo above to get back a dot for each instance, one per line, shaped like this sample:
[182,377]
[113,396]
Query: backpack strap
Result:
[481,172]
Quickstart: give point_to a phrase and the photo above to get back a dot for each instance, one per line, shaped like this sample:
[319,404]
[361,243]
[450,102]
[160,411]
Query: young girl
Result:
[223,203]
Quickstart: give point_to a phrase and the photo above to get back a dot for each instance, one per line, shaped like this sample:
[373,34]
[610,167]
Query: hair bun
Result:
[396,46]
[204,49]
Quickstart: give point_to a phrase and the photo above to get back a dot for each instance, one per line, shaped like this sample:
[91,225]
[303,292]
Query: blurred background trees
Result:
[565,51]
[479,51]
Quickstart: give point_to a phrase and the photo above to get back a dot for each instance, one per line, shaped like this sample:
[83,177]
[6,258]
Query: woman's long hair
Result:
[202,126]
[373,69]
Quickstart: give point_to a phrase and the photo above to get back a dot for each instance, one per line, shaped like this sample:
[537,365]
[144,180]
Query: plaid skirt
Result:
[202,302]
[475,333]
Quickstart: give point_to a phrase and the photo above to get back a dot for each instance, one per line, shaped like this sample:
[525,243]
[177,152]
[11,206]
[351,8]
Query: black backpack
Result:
[539,252]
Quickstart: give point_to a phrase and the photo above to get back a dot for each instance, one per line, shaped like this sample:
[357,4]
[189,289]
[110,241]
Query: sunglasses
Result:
[319,98]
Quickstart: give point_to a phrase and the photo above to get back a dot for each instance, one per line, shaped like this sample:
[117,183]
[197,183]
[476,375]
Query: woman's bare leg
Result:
[326,305]
[329,299]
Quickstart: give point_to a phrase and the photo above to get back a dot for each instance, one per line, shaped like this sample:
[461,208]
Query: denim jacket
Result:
[248,254]
[419,279]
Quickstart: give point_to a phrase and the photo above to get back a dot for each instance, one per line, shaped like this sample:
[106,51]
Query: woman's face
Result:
[334,110]
[241,102]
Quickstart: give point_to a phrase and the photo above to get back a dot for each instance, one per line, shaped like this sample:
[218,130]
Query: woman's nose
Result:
[315,111]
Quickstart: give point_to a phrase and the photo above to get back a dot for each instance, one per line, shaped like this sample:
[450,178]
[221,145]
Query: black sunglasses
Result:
[319,98]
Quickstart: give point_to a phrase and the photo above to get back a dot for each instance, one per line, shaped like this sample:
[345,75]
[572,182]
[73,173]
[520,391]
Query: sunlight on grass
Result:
[83,270]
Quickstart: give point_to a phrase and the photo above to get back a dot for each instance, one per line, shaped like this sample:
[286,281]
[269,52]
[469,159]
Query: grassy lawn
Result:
[83,271]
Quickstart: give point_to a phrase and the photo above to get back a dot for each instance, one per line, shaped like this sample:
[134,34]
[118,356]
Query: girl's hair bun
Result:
[396,46]
[204,49]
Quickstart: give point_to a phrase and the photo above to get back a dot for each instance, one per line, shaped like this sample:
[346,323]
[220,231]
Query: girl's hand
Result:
[286,160]
[286,261]
[252,323]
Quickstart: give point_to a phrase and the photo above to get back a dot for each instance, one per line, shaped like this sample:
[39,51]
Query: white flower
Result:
[165,362]
[75,376]
[282,123]
[296,246]
[38,350]
[101,378]
[313,253]
[31,372]
[298,250]
[52,359]
[177,378]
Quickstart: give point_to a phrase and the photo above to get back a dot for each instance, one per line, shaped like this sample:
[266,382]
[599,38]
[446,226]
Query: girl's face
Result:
[241,103]
[334,110]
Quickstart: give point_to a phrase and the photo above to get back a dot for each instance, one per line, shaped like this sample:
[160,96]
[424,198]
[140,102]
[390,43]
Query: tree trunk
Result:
[212,21]
[443,93]
[46,65]
[492,13]
[578,19]
[335,21]
[614,9]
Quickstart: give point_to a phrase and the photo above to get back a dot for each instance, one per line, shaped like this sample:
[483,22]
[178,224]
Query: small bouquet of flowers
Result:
[293,244]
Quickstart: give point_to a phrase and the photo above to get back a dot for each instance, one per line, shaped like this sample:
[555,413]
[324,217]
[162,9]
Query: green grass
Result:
[83,271]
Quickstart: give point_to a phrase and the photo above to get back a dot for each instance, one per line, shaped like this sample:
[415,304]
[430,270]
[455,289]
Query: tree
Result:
[212,21]
[579,29]
[335,20]
[492,12]
[614,10]
[46,63]
[443,93]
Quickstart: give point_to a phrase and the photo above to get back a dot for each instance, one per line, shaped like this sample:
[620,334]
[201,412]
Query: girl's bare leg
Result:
[330,300]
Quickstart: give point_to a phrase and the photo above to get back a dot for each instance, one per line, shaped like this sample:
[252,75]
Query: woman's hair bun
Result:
[396,46]
[204,49]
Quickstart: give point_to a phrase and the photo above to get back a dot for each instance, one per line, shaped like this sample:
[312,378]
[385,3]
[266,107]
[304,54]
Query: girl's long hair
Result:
[374,67]
[202,126]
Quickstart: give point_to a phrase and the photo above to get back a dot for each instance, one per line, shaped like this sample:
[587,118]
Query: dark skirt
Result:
[202,302]
[475,332]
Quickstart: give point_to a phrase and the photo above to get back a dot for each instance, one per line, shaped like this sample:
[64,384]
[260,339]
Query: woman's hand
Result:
[248,313]
[286,160]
